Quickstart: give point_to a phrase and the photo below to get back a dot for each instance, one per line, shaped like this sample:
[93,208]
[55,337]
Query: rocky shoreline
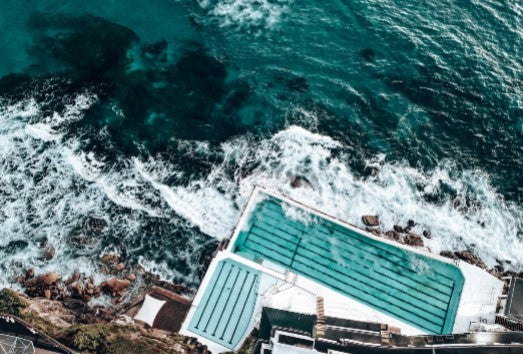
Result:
[404,235]
[59,306]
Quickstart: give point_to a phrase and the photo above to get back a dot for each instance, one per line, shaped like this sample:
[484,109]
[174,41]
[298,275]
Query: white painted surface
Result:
[149,310]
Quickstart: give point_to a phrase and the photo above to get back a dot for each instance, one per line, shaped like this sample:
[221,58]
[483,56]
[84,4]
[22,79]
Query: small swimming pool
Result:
[227,305]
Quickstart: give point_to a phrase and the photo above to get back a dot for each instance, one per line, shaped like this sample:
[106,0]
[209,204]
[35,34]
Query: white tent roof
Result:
[149,310]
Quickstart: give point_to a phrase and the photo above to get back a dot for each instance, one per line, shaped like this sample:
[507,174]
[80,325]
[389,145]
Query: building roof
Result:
[409,286]
[515,299]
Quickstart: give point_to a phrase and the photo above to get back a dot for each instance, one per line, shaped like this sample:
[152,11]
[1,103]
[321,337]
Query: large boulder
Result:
[471,257]
[393,235]
[370,220]
[300,181]
[48,279]
[115,285]
[398,228]
[413,240]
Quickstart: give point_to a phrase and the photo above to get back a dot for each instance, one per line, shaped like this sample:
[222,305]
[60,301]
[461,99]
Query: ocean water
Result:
[159,117]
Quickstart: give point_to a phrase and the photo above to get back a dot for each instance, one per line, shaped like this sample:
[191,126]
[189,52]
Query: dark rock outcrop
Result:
[471,257]
[373,231]
[300,181]
[414,240]
[393,235]
[370,220]
[398,228]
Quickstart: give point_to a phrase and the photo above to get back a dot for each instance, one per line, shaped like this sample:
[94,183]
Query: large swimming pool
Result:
[417,289]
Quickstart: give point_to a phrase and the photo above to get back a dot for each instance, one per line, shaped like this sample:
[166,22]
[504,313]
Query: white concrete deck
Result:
[288,291]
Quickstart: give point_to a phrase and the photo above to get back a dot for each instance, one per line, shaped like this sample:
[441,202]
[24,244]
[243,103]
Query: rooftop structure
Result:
[288,256]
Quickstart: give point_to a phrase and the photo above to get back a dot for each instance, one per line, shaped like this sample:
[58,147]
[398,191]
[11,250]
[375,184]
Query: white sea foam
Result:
[492,229]
[247,14]
[48,184]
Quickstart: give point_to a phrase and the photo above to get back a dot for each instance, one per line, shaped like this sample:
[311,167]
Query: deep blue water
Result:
[160,116]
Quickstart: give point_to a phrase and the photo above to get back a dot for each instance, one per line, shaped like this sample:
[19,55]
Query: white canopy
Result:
[149,310]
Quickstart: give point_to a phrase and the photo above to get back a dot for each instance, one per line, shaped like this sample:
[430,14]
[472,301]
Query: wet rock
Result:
[78,290]
[49,253]
[413,240]
[44,243]
[48,279]
[427,234]
[74,278]
[30,273]
[398,228]
[411,223]
[393,235]
[373,231]
[448,254]
[110,258]
[370,220]
[120,266]
[471,257]
[300,181]
[115,285]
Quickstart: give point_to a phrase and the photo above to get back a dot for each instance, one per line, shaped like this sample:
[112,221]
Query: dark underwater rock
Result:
[298,84]
[367,54]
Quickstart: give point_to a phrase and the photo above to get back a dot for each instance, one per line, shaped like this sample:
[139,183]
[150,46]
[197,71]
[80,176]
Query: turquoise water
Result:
[226,308]
[416,289]
[159,117]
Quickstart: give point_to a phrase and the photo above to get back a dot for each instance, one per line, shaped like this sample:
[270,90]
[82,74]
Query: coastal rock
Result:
[30,273]
[370,220]
[373,231]
[110,258]
[115,285]
[448,254]
[471,258]
[393,235]
[47,294]
[120,266]
[74,278]
[398,228]
[48,279]
[413,240]
[411,223]
[427,234]
[131,277]
[49,253]
[300,181]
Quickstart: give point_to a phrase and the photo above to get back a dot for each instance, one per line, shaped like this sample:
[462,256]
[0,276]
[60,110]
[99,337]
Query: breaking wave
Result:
[51,187]
[246,14]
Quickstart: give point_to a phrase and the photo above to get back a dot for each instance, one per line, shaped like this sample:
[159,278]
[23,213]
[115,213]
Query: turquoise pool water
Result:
[226,308]
[416,289]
